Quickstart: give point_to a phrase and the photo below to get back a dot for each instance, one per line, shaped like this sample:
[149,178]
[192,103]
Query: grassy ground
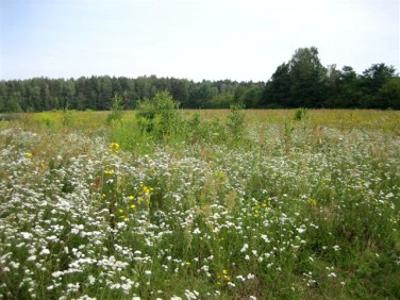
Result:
[345,119]
[210,207]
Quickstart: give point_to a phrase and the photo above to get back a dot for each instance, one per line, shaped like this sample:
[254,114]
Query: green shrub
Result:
[116,110]
[235,122]
[300,114]
[67,117]
[159,115]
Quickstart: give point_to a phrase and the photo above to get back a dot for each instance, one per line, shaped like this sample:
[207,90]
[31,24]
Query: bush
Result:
[300,114]
[236,122]
[116,110]
[67,117]
[159,115]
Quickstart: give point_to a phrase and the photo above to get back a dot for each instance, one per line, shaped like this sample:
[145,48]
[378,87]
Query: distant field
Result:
[255,204]
[339,118]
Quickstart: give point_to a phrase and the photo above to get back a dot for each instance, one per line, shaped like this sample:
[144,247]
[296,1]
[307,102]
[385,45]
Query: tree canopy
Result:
[301,82]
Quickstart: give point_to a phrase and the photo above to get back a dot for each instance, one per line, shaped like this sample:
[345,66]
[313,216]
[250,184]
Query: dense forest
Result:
[301,82]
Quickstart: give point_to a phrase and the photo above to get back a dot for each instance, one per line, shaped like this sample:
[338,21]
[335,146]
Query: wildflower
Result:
[133,206]
[312,202]
[114,147]
[131,197]
[250,276]
[45,251]
[332,275]
[31,258]
[28,154]
[196,231]
[109,172]
[224,276]
[146,190]
[301,229]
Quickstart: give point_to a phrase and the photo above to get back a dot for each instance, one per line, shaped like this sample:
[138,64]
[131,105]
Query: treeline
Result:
[301,82]
[305,82]
[96,92]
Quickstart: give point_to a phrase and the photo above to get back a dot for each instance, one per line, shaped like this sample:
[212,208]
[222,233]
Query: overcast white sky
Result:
[211,39]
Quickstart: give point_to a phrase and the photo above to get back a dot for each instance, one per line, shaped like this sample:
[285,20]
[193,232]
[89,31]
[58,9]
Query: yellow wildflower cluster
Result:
[261,207]
[223,277]
[114,147]
[312,202]
[28,154]
[109,172]
[124,213]
[134,203]
[146,190]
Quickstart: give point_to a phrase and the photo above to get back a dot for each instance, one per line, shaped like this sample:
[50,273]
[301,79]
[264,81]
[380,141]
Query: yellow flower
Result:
[146,189]
[114,147]
[131,197]
[133,206]
[121,210]
[109,172]
[224,275]
[312,202]
[28,154]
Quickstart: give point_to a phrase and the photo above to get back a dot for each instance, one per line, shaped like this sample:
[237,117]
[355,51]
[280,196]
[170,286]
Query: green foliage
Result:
[116,113]
[300,114]
[67,117]
[235,122]
[194,127]
[372,81]
[159,116]
[222,100]
[390,93]
[305,82]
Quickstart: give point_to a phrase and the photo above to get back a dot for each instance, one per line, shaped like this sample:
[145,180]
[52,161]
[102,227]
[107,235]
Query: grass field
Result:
[217,205]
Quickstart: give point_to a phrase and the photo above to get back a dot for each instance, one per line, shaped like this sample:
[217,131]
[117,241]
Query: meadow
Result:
[211,204]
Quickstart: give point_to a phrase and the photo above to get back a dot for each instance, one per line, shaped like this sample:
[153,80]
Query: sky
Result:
[204,39]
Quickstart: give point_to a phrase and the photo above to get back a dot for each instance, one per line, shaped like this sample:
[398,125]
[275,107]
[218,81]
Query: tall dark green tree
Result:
[373,79]
[390,93]
[277,92]
[307,76]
